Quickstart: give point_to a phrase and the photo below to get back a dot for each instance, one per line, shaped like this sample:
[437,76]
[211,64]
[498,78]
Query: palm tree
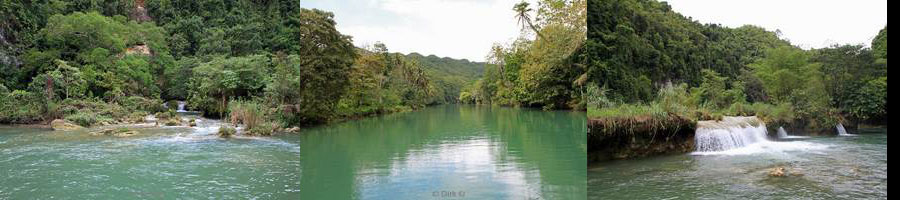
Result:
[522,10]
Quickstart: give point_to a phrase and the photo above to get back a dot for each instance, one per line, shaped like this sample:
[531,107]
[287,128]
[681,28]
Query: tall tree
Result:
[522,9]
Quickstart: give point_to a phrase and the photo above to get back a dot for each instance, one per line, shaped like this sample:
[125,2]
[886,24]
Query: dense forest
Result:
[542,67]
[644,59]
[265,64]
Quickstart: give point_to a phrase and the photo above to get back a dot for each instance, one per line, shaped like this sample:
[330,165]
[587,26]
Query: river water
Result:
[158,163]
[836,167]
[446,152]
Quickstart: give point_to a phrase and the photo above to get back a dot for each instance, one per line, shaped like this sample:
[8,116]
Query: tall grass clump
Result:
[254,115]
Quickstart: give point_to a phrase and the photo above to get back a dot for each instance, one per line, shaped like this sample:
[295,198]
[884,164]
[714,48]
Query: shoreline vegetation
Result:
[707,72]
[267,66]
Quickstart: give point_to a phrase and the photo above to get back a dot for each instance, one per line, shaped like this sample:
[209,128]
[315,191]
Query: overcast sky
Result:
[806,23]
[445,28]
[468,28]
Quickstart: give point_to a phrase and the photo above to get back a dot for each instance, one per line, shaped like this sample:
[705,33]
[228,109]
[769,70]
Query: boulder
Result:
[292,129]
[777,172]
[63,125]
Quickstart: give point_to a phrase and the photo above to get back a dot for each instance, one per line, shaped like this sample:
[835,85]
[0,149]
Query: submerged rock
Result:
[115,132]
[63,125]
[777,172]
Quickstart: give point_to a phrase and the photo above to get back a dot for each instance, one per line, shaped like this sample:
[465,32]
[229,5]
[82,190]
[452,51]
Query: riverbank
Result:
[642,136]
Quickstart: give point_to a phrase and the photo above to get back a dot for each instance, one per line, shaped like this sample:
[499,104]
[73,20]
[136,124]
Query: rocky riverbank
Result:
[624,138]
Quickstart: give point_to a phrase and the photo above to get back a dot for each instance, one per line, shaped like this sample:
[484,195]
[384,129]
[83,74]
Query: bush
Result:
[249,113]
[226,131]
[21,107]
[85,119]
[137,103]
[264,129]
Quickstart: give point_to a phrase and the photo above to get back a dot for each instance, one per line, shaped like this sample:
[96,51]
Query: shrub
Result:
[85,119]
[264,129]
[137,103]
[249,113]
[226,131]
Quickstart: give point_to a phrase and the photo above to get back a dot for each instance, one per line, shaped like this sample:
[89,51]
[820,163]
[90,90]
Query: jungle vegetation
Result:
[644,59]
[266,64]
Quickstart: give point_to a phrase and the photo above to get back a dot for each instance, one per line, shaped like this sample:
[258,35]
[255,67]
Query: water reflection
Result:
[460,151]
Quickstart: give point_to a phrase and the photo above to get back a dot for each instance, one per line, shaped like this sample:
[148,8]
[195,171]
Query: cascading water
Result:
[742,135]
[841,131]
[181,106]
[729,133]
[782,133]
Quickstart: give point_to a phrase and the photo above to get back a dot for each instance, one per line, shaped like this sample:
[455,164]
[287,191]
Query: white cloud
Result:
[806,23]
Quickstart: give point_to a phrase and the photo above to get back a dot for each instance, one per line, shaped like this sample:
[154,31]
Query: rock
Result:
[293,129]
[777,172]
[173,122]
[63,125]
[125,134]
[115,132]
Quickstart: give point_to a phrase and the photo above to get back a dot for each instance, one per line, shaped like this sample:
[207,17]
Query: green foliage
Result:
[634,44]
[85,119]
[21,106]
[380,82]
[537,73]
[879,45]
[253,115]
[318,75]
[869,101]
[215,82]
[226,131]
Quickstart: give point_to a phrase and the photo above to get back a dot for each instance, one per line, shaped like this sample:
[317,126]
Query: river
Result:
[463,152]
[834,167]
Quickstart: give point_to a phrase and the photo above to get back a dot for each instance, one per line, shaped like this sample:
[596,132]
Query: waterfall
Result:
[729,133]
[841,131]
[741,136]
[181,106]
[782,133]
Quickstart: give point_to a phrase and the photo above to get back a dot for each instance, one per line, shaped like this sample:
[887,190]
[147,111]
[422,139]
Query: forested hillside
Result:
[645,56]
[541,68]
[272,62]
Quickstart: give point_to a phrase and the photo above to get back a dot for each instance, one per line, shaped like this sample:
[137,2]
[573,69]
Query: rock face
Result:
[63,125]
[624,138]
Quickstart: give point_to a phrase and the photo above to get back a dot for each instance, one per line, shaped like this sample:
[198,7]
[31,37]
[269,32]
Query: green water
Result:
[159,163]
[826,167]
[447,152]
[443,152]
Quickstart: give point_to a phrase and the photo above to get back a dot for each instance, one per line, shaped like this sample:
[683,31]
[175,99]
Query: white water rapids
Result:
[739,136]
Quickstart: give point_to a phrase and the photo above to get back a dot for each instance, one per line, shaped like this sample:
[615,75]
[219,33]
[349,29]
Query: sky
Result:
[461,29]
[806,23]
[467,28]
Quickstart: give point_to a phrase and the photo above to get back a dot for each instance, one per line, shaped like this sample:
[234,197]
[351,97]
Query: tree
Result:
[522,9]
[322,67]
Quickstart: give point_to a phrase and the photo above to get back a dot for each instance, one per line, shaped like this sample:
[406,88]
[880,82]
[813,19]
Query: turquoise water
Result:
[159,163]
[820,167]
[448,152]
[441,152]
